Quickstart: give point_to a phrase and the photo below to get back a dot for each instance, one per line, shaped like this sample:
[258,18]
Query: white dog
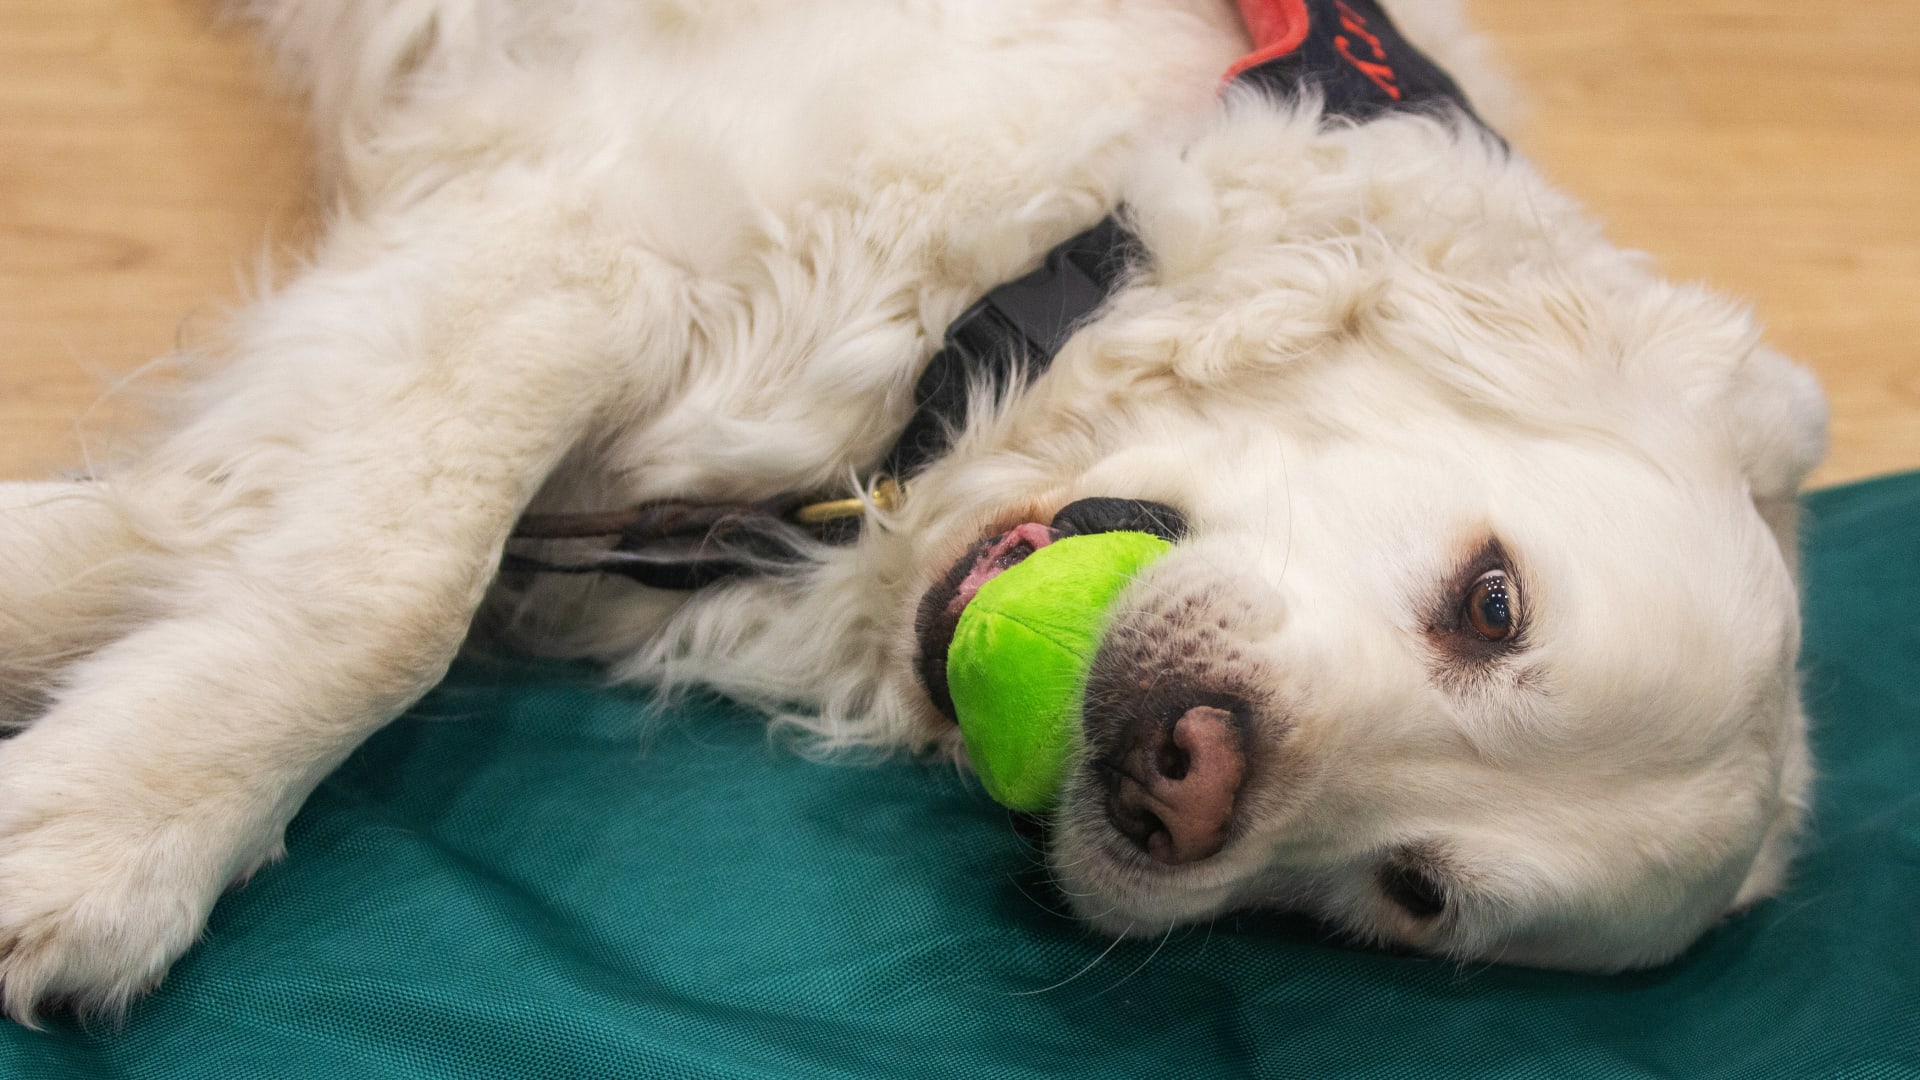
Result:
[1480,637]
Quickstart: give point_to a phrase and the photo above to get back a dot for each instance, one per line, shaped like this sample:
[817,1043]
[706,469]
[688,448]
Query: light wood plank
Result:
[144,163]
[1768,147]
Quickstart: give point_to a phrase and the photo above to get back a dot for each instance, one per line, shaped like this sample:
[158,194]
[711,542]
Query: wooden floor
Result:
[1770,147]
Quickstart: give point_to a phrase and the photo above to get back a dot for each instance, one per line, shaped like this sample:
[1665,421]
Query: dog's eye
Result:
[1493,606]
[1410,887]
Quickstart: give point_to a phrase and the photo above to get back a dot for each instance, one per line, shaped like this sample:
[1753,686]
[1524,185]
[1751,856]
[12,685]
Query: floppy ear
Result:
[1777,416]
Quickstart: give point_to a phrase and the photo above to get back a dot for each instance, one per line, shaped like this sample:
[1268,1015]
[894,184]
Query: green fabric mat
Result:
[531,877]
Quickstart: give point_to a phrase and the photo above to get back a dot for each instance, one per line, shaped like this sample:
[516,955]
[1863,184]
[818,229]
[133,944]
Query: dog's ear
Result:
[1776,415]
[1784,829]
[1761,415]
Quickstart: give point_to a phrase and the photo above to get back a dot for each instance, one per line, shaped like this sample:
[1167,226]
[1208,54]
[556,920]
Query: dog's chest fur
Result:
[817,191]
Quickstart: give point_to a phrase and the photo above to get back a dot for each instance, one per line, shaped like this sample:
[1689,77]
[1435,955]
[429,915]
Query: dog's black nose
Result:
[1173,778]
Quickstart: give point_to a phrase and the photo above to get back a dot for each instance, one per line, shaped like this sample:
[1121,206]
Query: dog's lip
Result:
[1001,553]
[943,603]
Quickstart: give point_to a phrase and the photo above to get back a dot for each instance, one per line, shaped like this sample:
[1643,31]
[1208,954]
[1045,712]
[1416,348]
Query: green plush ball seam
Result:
[1018,663]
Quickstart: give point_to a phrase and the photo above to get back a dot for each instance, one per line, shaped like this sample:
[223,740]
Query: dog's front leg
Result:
[353,485]
[69,583]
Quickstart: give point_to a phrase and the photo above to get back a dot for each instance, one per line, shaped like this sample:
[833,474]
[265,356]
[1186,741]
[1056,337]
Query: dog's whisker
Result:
[1091,964]
[1142,966]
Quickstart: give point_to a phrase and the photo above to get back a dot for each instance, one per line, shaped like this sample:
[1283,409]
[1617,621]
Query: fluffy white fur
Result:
[596,252]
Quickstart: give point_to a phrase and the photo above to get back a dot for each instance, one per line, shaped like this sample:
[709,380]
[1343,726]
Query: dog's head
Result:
[1481,635]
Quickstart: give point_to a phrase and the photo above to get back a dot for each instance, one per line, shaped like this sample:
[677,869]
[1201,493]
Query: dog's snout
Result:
[1173,782]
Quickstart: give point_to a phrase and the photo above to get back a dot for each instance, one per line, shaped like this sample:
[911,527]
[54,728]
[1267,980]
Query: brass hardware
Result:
[886,495]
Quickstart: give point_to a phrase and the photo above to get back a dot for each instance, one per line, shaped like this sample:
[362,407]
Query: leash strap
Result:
[669,545]
[1347,51]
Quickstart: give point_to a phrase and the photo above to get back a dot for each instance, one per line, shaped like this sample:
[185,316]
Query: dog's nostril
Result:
[1172,762]
[1136,823]
[1172,785]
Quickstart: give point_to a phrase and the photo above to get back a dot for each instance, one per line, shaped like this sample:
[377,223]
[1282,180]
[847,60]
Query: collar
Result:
[1347,52]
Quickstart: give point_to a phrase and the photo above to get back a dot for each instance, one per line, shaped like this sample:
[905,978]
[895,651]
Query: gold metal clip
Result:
[885,495]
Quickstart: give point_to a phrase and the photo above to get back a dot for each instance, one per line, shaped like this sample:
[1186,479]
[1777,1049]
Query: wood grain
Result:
[144,166]
[1769,147]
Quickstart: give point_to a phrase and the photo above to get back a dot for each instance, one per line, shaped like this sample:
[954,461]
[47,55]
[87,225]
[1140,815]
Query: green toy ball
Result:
[1018,663]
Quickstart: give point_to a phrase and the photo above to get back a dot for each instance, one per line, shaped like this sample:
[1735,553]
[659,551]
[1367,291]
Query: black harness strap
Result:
[1347,51]
[1009,335]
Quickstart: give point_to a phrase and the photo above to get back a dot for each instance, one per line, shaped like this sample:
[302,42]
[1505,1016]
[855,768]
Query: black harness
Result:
[1346,51]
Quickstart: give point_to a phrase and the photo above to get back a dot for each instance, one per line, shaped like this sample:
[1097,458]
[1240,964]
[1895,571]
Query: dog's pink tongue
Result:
[1006,551]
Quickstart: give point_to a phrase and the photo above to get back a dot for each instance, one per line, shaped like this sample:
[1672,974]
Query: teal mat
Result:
[508,883]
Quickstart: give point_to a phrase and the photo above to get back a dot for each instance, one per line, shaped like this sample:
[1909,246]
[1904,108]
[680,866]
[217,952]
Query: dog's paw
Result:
[98,895]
